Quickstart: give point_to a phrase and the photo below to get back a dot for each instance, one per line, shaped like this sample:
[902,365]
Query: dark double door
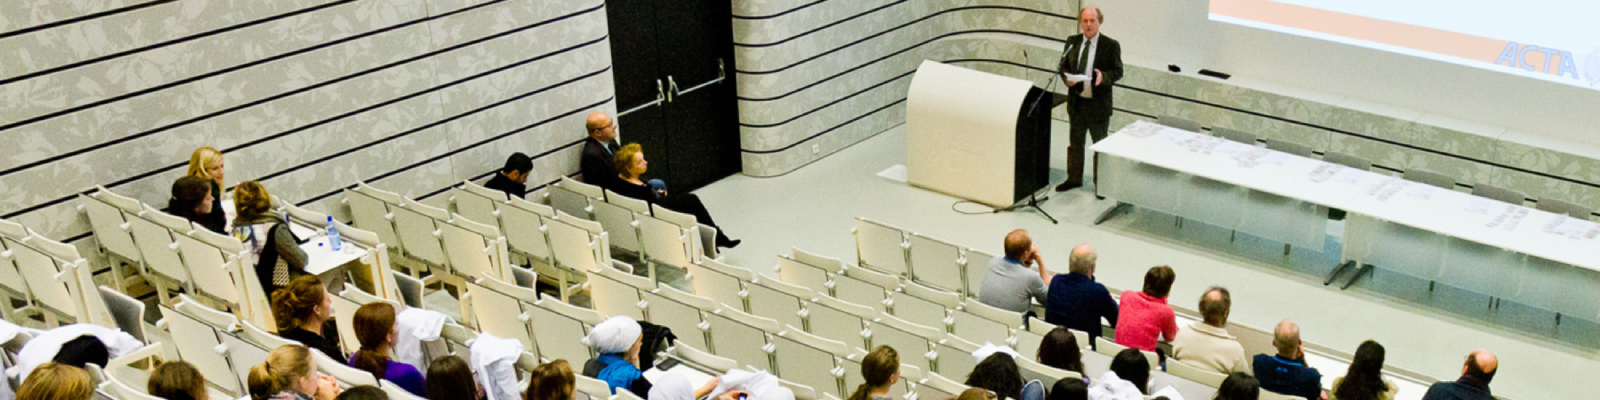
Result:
[668,57]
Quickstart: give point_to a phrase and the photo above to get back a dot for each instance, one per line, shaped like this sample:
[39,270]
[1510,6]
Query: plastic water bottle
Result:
[333,234]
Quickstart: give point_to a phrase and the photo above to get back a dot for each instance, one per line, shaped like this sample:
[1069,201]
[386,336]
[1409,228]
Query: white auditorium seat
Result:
[680,312]
[619,225]
[830,264]
[1187,371]
[978,329]
[808,360]
[702,358]
[802,274]
[1012,320]
[911,340]
[975,264]
[370,211]
[1031,370]
[881,246]
[741,337]
[196,342]
[839,320]
[936,386]
[559,329]
[573,197]
[1111,348]
[778,301]
[158,250]
[953,357]
[612,295]
[935,262]
[719,282]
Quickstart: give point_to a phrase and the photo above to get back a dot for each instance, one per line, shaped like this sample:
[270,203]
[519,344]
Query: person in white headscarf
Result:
[674,386]
[617,340]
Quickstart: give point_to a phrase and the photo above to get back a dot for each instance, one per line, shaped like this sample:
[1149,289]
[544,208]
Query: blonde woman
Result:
[206,163]
[290,374]
[51,381]
[631,165]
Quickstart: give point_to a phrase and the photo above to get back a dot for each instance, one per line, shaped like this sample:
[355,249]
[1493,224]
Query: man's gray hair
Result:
[1081,262]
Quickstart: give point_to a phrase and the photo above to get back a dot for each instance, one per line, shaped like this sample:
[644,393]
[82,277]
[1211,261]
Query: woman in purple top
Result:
[374,324]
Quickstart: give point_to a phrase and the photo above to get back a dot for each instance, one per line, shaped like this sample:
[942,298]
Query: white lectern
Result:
[971,134]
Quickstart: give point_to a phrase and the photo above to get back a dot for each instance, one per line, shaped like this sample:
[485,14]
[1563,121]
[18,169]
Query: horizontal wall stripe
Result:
[880,8]
[831,103]
[780,13]
[479,143]
[278,96]
[82,18]
[184,39]
[893,29]
[824,132]
[180,165]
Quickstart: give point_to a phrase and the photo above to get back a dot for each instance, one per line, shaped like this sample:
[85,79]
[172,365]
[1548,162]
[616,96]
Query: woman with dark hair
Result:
[374,325]
[1069,389]
[1144,316]
[631,165]
[206,164]
[192,200]
[999,374]
[1060,350]
[1364,380]
[1129,377]
[1239,386]
[449,377]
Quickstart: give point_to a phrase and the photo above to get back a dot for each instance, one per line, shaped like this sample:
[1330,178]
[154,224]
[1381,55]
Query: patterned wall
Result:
[308,96]
[830,73]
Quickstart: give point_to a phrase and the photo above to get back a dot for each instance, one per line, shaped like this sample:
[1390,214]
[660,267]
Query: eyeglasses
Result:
[608,125]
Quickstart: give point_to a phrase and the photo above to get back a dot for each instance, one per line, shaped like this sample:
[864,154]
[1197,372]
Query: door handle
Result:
[661,96]
[721,76]
[672,88]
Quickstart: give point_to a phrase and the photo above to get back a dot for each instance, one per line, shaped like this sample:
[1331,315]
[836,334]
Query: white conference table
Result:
[1373,199]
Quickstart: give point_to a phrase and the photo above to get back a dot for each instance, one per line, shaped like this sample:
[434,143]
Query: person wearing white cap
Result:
[617,340]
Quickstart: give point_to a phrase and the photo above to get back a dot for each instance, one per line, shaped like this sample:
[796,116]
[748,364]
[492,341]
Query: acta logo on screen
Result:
[1560,63]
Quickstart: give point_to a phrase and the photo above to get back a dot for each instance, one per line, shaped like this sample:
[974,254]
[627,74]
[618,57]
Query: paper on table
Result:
[696,378]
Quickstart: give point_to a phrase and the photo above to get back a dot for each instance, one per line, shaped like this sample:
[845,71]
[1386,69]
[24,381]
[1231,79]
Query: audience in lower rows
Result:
[1364,380]
[1076,300]
[1145,317]
[1060,350]
[1287,372]
[1239,386]
[450,377]
[1206,344]
[999,374]
[1015,281]
[1474,382]
[1129,377]
[290,374]
[177,380]
[304,313]
[375,328]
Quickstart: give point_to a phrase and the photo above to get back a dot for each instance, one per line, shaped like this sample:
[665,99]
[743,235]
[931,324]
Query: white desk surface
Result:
[1448,212]
[323,259]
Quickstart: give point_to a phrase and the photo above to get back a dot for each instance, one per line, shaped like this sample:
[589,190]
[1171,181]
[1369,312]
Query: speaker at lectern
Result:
[971,134]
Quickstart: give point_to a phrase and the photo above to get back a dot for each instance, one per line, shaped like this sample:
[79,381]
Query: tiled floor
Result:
[1430,332]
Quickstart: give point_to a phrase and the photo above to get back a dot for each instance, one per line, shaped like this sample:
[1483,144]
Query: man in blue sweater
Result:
[1287,372]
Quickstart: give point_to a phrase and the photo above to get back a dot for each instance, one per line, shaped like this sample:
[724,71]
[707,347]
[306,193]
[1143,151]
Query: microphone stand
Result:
[1033,198]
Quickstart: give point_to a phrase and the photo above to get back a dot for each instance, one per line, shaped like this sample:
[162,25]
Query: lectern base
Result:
[1032,201]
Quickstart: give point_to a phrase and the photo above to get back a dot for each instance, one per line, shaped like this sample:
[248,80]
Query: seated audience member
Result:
[73,345]
[976,394]
[1011,283]
[1069,389]
[270,247]
[51,381]
[551,381]
[1239,386]
[206,163]
[676,387]
[618,340]
[1129,377]
[290,374]
[999,374]
[597,162]
[1287,372]
[630,165]
[1060,350]
[1145,316]
[1076,301]
[449,377]
[513,178]
[880,369]
[192,200]
[374,325]
[177,380]
[1474,382]
[1206,344]
[82,351]
[1364,380]
[304,312]
[363,392]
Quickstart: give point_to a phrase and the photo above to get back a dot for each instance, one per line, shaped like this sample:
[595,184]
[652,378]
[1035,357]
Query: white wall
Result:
[1155,33]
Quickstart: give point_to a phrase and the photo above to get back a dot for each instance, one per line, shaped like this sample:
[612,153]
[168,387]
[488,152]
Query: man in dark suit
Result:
[596,163]
[513,178]
[1474,383]
[1088,102]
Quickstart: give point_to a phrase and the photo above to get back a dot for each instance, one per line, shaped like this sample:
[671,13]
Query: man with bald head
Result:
[1206,344]
[596,164]
[1474,383]
[1076,300]
[1012,282]
[1287,372]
